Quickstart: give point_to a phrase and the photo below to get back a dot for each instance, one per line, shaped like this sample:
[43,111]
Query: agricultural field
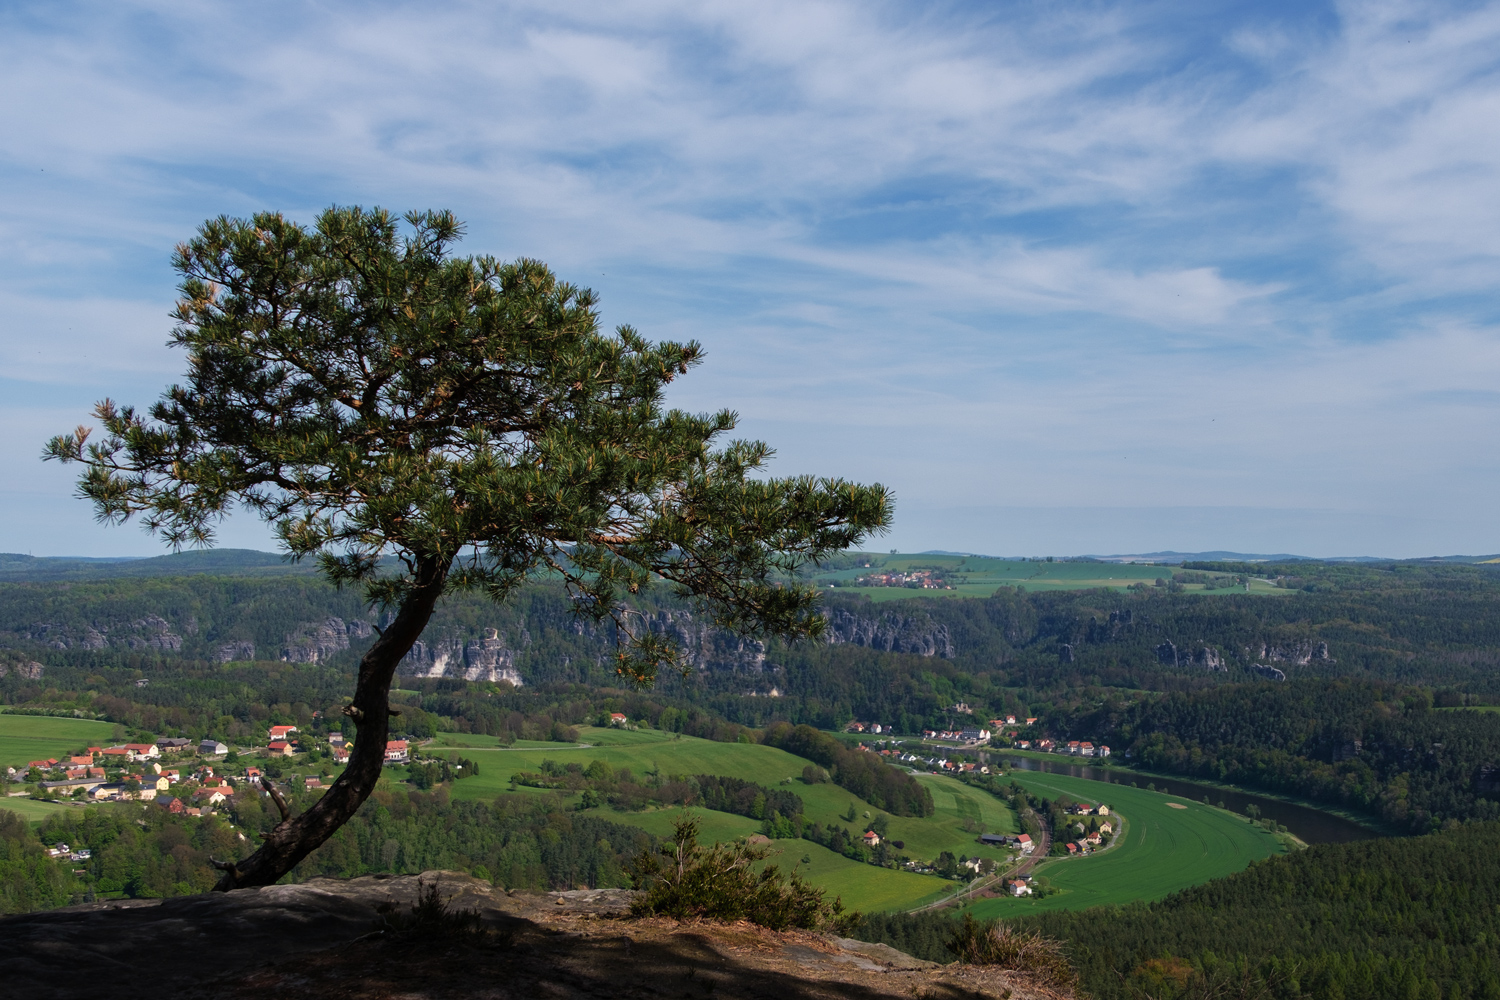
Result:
[962,813]
[37,737]
[978,576]
[1169,843]
[35,810]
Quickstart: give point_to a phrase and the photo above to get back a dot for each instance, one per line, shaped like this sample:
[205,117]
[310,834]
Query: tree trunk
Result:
[295,837]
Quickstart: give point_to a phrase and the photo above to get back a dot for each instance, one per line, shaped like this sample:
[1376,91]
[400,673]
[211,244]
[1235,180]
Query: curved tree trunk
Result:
[295,837]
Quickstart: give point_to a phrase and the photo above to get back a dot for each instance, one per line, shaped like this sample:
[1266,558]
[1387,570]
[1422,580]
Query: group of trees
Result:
[860,772]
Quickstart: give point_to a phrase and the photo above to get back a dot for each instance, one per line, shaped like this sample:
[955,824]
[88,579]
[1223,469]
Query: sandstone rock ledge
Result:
[346,939]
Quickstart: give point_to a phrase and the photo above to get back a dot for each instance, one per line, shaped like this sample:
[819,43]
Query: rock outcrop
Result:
[29,669]
[360,939]
[892,632]
[314,642]
[1298,653]
[1268,672]
[484,659]
[150,632]
[1166,654]
[230,651]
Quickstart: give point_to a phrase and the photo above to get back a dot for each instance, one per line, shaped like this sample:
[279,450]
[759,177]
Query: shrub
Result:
[685,880]
[994,943]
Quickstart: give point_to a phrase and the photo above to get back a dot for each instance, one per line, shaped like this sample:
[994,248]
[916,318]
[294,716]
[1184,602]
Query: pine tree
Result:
[420,423]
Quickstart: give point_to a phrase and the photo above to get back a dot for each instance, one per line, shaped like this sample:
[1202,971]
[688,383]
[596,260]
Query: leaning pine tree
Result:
[422,422]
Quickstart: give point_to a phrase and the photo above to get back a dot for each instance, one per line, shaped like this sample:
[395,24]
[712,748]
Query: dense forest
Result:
[517,841]
[1384,919]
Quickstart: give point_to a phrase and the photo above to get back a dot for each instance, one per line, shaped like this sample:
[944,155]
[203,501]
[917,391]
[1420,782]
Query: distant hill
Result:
[17,568]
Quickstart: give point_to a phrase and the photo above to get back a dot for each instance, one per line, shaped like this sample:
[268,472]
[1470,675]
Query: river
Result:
[1312,826]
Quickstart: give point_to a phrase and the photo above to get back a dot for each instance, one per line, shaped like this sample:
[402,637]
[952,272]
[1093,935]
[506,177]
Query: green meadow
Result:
[978,576]
[1169,843]
[961,812]
[38,737]
[35,810]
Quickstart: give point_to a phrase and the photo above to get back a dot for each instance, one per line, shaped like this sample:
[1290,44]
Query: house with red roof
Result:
[280,748]
[396,752]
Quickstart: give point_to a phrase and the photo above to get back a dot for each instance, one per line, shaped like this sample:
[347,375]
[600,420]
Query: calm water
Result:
[1310,825]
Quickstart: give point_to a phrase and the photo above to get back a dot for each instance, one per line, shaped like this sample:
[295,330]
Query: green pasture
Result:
[35,810]
[975,576]
[962,813]
[1163,849]
[38,737]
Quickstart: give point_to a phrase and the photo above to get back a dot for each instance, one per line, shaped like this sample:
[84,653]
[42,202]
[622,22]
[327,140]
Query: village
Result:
[205,775]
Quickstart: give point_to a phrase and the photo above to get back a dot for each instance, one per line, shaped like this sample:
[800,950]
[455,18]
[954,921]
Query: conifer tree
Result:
[421,422]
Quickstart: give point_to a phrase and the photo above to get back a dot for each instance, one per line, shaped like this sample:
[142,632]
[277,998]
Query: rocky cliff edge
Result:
[359,938]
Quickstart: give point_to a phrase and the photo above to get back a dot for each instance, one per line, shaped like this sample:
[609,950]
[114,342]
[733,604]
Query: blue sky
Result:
[1068,277]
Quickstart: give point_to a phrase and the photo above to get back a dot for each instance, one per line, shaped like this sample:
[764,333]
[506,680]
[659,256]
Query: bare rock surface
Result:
[360,939]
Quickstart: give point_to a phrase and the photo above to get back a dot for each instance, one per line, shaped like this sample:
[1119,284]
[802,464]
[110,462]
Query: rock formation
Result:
[360,938]
[1166,654]
[1299,653]
[1268,672]
[151,632]
[484,659]
[893,632]
[314,642]
[29,669]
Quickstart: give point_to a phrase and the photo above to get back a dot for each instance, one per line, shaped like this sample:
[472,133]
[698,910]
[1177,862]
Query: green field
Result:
[863,887]
[38,737]
[978,576]
[1164,848]
[35,810]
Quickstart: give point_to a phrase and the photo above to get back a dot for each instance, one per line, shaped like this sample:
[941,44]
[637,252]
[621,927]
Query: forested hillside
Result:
[1384,919]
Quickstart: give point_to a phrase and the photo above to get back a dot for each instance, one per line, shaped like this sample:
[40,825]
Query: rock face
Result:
[230,651]
[314,642]
[29,669]
[893,632]
[359,939]
[484,659]
[1208,658]
[1299,653]
[1269,673]
[1065,653]
[151,632]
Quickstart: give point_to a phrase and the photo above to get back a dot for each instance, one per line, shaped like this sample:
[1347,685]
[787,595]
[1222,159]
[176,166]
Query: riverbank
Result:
[1356,825]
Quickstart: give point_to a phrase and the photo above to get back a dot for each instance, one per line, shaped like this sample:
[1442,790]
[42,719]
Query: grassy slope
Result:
[1164,849]
[862,887]
[35,810]
[37,737]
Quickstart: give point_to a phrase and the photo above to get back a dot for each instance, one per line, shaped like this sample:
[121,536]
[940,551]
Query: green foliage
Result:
[864,774]
[685,880]
[1381,919]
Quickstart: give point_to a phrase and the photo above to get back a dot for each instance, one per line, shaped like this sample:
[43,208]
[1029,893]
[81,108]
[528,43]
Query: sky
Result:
[1068,278]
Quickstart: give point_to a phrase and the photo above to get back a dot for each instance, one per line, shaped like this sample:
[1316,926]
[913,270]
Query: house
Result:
[341,755]
[210,796]
[1073,747]
[172,774]
[1072,850]
[107,792]
[1024,744]
[170,803]
[1092,839]
[396,752]
[1010,720]
[996,839]
[617,719]
[337,739]
[1044,744]
[143,751]
[280,748]
[84,760]
[871,838]
[1106,827]
[1103,810]
[212,748]
[172,744]
[1026,845]
[876,727]
[281,732]
[1086,749]
[252,774]
[1104,751]
[313,782]
[1031,721]
[974,735]
[152,783]
[1018,888]
[116,755]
